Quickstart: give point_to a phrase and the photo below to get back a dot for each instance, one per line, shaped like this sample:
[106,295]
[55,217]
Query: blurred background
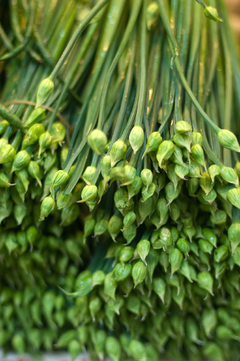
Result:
[234,10]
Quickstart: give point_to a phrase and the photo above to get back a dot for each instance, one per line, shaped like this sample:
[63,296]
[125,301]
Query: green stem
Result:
[11,118]
[76,35]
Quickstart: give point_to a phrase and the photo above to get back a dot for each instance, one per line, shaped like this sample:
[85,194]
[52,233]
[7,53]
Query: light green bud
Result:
[70,214]
[165,237]
[229,175]
[129,174]
[178,296]
[89,174]
[110,285]
[137,350]
[153,142]
[101,227]
[147,177]
[165,150]
[65,338]
[205,281]
[181,171]
[236,256]
[135,187]
[128,220]
[117,152]
[234,235]
[45,89]
[97,141]
[106,167]
[45,140]
[159,287]
[18,343]
[183,245]
[176,259]
[213,171]
[182,127]
[21,160]
[205,246]
[209,321]
[210,236]
[74,348]
[211,13]
[228,140]
[130,233]
[213,352]
[63,200]
[115,305]
[19,211]
[152,15]
[47,206]
[183,141]
[121,272]
[59,178]
[114,226]
[139,272]
[98,278]
[32,135]
[136,138]
[143,248]
[177,157]
[58,133]
[7,153]
[172,193]
[126,254]
[219,217]
[113,348]
[95,304]
[234,197]
[122,201]
[3,126]
[198,155]
[206,183]
[34,171]
[36,116]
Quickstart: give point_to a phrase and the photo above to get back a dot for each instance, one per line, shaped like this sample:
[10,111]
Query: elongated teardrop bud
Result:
[228,140]
[97,141]
[136,138]
[45,89]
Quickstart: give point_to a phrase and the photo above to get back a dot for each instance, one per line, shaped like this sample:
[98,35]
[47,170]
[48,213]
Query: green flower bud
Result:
[147,177]
[95,304]
[133,304]
[152,15]
[136,138]
[171,193]
[128,220]
[70,214]
[47,206]
[89,174]
[21,160]
[220,217]
[139,272]
[97,141]
[7,153]
[194,170]
[211,13]
[165,237]
[209,321]
[113,348]
[236,256]
[180,171]
[206,183]
[188,271]
[137,350]
[144,209]
[58,133]
[18,343]
[183,245]
[45,140]
[228,140]
[213,171]
[89,193]
[45,89]
[182,127]
[174,212]
[165,150]
[65,338]
[148,192]
[3,126]
[229,175]
[178,296]
[159,287]
[115,224]
[63,201]
[205,281]
[19,212]
[122,201]
[224,333]
[177,157]
[130,233]
[110,285]
[143,249]
[49,162]
[234,235]
[205,246]
[153,142]
[100,227]
[60,178]
[117,152]
[183,141]
[115,305]
[198,155]
[32,135]
[210,236]
[176,259]
[74,348]
[129,175]
[135,187]
[23,176]
[213,352]
[162,208]
[89,224]
[37,116]
[192,186]
[121,272]
[98,278]
[234,197]
[34,171]
[117,173]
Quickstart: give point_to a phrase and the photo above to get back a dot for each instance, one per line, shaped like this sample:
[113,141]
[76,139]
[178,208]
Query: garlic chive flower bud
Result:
[89,193]
[143,249]
[89,174]
[234,235]
[106,167]
[47,206]
[137,350]
[7,153]
[213,171]
[176,259]
[59,178]
[205,281]
[3,126]
[198,155]
[211,13]
[45,89]
[147,177]
[139,272]
[21,160]
[97,141]
[63,200]
[229,175]
[113,348]
[165,150]
[234,197]
[58,133]
[152,15]
[228,140]
[197,138]
[182,127]
[32,135]
[45,140]
[136,138]
[34,171]
[114,226]
[36,116]
[117,152]
[153,142]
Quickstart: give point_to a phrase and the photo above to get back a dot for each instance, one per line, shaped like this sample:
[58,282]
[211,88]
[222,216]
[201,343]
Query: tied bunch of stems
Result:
[119,180]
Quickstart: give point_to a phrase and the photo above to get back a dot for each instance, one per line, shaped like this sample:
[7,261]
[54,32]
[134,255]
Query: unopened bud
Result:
[211,13]
[45,89]
[97,141]
[136,138]
[228,140]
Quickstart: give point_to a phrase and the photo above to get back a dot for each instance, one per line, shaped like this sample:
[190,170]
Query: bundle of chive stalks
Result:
[119,179]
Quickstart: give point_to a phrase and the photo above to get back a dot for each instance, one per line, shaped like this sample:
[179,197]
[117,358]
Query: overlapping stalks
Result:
[120,224]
